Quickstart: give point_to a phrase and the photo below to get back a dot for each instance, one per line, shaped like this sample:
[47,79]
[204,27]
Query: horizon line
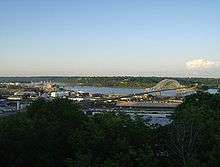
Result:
[102,76]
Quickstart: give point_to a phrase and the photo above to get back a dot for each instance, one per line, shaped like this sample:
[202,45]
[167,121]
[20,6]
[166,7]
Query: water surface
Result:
[118,91]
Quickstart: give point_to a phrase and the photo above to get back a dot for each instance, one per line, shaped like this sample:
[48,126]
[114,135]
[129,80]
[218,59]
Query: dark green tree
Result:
[57,133]
[40,136]
[193,137]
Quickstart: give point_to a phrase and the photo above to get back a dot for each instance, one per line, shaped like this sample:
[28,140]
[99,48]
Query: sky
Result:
[110,38]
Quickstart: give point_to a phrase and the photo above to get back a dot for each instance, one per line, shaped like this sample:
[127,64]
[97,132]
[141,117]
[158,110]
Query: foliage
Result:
[193,138]
[57,133]
[39,137]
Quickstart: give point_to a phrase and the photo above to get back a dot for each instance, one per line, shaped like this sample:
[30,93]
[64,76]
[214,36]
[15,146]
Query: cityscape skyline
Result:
[110,38]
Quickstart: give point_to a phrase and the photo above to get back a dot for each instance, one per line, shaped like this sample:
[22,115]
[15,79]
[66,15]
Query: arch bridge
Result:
[169,84]
[164,85]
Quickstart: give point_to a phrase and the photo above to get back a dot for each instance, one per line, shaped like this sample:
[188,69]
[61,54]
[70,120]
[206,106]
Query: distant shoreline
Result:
[120,81]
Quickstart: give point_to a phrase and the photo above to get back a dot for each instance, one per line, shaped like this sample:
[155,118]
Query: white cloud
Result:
[200,64]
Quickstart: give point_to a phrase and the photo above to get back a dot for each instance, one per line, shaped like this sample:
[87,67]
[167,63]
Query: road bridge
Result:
[163,86]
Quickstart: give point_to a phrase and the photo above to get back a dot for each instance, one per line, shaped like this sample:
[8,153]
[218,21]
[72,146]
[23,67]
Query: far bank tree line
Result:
[123,81]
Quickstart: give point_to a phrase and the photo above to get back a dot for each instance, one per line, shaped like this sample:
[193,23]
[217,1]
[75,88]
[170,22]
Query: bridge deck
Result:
[149,92]
[147,104]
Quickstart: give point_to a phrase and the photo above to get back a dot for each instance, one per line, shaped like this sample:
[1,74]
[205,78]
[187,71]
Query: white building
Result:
[60,94]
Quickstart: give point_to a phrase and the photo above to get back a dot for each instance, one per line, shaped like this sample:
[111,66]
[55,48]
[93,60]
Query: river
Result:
[122,91]
[113,90]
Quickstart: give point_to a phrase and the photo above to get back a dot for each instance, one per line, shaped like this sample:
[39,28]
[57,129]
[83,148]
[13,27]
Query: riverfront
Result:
[163,97]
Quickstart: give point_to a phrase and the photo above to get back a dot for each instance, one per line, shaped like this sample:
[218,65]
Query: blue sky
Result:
[110,37]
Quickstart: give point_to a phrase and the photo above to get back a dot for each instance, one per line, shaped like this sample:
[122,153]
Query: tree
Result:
[39,137]
[57,133]
[113,139]
[193,136]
